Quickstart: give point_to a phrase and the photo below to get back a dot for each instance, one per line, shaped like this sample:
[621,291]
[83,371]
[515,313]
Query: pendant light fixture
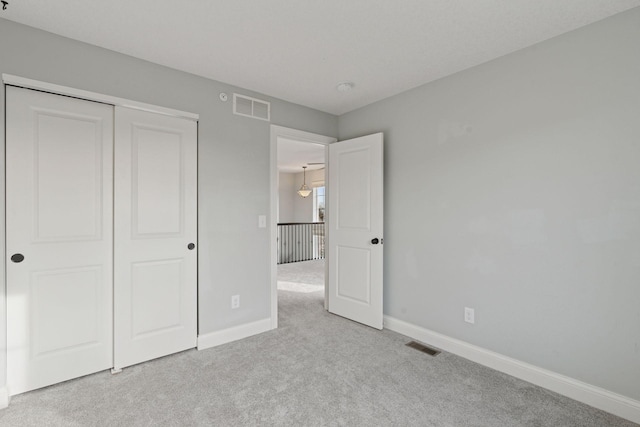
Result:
[304,191]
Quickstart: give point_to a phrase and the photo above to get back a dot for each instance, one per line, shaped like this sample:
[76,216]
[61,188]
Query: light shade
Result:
[304,191]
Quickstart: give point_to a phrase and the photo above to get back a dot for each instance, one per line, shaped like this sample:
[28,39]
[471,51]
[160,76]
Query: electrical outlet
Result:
[235,301]
[469,315]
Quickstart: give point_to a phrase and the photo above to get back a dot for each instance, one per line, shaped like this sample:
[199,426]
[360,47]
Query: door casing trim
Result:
[9,79]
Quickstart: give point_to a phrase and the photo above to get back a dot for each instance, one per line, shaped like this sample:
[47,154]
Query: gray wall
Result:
[286,193]
[303,207]
[233,159]
[292,207]
[514,188]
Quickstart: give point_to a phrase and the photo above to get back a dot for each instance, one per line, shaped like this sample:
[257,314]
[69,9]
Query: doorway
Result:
[354,224]
[298,236]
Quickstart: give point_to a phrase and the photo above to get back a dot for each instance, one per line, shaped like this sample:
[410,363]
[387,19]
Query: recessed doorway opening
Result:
[298,217]
[301,212]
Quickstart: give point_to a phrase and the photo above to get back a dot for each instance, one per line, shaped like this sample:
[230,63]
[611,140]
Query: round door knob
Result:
[17,258]
[375,241]
[191,246]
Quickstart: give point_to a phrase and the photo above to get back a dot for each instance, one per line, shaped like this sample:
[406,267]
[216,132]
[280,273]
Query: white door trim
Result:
[12,80]
[298,135]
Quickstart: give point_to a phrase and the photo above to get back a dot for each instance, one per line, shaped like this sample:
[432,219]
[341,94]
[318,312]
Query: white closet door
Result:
[155,287]
[59,238]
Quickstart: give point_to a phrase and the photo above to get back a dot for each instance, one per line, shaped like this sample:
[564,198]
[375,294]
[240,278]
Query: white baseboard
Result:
[235,333]
[597,397]
[4,398]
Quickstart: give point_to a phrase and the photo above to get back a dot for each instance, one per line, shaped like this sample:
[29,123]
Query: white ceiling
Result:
[292,155]
[299,50]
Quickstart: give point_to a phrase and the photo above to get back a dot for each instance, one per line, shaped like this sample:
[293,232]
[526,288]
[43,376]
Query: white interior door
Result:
[155,276]
[59,238]
[355,229]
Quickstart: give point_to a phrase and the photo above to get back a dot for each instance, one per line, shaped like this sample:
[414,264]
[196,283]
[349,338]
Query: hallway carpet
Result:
[316,369]
[306,276]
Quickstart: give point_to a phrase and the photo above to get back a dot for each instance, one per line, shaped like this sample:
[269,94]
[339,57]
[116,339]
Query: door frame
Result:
[302,136]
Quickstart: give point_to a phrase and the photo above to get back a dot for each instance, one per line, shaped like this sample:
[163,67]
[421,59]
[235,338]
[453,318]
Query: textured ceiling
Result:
[292,155]
[300,50]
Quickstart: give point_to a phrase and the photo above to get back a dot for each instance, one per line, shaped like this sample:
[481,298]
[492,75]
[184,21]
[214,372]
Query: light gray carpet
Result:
[315,370]
[308,272]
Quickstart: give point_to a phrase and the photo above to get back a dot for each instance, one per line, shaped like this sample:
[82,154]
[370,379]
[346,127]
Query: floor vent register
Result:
[423,348]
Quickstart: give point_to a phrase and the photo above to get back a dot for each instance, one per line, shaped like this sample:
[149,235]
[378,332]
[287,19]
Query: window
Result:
[318,204]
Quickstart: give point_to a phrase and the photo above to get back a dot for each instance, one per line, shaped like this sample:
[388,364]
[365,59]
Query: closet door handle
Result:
[17,258]
[375,241]
[191,246]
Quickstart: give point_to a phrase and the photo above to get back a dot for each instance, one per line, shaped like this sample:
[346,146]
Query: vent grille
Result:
[423,348]
[251,107]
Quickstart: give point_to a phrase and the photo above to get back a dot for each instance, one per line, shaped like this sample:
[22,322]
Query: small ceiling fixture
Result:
[344,86]
[304,191]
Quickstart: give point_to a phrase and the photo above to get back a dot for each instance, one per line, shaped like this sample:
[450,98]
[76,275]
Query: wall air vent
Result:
[251,107]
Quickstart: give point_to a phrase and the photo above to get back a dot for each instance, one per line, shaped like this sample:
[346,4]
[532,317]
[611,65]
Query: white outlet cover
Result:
[469,315]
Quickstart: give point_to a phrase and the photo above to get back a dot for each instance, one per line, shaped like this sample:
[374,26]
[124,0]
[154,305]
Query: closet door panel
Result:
[155,221]
[59,238]
[157,186]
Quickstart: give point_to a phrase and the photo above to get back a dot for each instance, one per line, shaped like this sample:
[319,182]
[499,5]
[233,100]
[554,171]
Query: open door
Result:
[355,229]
